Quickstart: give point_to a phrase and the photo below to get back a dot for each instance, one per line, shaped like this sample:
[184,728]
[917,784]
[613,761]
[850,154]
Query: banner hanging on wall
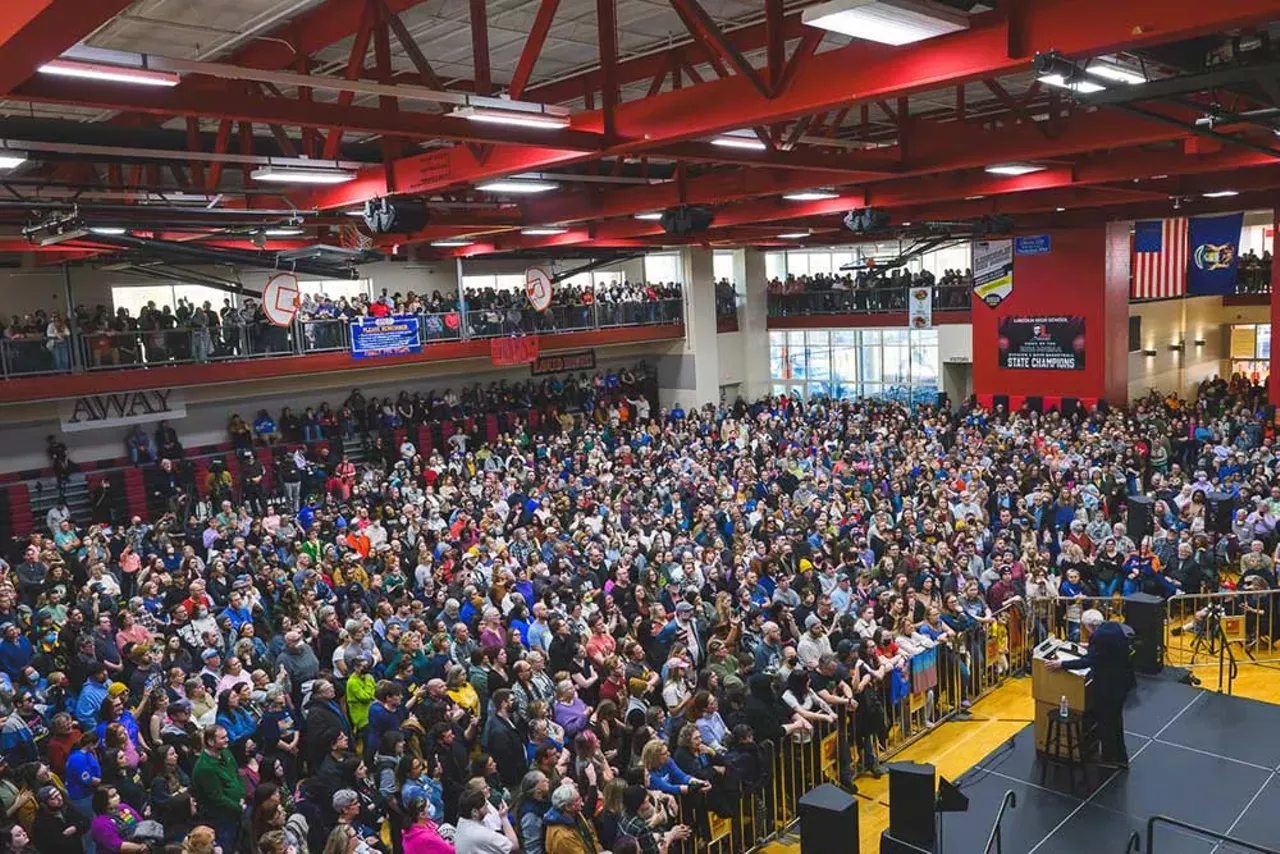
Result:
[993,270]
[1215,254]
[560,363]
[505,352]
[385,336]
[95,411]
[1042,343]
[920,307]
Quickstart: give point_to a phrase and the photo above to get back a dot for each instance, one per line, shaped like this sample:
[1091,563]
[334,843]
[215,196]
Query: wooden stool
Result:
[1064,744]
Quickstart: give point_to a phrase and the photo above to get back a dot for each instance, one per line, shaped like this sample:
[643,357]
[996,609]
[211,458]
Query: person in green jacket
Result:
[360,690]
[217,787]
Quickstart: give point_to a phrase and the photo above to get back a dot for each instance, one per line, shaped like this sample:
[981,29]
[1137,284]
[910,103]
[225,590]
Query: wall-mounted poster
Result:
[1042,343]
[993,270]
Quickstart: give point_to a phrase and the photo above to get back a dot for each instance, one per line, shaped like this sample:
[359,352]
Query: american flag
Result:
[1160,256]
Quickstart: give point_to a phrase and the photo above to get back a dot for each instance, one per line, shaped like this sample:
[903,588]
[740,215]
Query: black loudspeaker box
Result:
[1034,403]
[1222,510]
[1144,614]
[1141,511]
[911,803]
[828,820]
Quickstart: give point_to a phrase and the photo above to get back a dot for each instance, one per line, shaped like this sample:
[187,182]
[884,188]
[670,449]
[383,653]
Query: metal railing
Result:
[875,300]
[995,842]
[1201,831]
[84,352]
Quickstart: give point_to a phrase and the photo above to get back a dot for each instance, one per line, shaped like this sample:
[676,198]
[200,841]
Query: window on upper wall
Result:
[336,289]
[135,297]
[722,266]
[775,265]
[847,363]
[664,268]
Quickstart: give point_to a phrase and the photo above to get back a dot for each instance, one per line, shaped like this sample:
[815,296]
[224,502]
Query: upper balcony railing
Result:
[81,352]
[878,300]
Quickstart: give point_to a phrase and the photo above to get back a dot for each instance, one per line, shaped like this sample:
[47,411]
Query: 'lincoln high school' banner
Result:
[992,270]
[1042,343]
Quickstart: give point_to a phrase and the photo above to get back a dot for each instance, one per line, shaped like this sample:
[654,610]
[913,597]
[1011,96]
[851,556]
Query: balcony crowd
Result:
[866,292]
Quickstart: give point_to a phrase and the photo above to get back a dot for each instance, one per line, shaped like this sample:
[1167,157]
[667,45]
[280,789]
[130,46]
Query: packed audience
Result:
[498,311]
[584,636]
[866,291]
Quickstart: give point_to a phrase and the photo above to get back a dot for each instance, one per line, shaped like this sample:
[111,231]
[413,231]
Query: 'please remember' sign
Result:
[96,411]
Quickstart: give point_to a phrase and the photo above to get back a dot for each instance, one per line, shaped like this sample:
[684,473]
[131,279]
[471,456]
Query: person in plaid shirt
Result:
[636,826]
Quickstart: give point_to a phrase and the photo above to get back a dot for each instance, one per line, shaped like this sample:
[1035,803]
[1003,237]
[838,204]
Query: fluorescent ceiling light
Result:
[892,22]
[108,230]
[513,118]
[354,212]
[516,186]
[811,196]
[793,235]
[973,198]
[1083,87]
[1118,73]
[543,231]
[282,232]
[651,216]
[444,244]
[1221,194]
[1059,210]
[1014,169]
[739,142]
[12,159]
[302,175]
[110,73]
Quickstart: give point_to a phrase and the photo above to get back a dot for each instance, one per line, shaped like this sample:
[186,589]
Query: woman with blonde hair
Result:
[200,840]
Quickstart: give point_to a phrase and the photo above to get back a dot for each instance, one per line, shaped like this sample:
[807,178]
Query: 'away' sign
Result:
[96,411]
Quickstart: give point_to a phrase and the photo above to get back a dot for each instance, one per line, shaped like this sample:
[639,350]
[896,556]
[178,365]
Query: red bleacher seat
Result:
[424,439]
[491,428]
[135,492]
[20,520]
[1017,402]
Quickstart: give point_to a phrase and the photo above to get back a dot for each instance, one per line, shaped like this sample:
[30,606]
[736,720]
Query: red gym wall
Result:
[1086,274]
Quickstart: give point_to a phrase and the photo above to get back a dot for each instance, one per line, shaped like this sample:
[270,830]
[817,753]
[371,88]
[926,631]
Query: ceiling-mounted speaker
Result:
[862,220]
[686,220]
[395,216]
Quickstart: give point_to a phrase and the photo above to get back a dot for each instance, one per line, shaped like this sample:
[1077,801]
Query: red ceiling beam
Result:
[32,32]
[707,33]
[426,73]
[533,47]
[607,36]
[353,71]
[480,47]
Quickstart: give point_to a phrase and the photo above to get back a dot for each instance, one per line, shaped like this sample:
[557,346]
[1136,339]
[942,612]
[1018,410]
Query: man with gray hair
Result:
[1113,679]
[566,830]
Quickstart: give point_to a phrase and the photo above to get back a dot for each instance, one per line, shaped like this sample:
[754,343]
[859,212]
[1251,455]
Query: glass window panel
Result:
[896,365]
[795,339]
[819,338]
[778,363]
[844,365]
[775,265]
[336,289]
[819,363]
[722,266]
[779,390]
[869,365]
[846,391]
[1264,341]
[777,338]
[819,262]
[662,268]
[796,362]
[924,338]
[819,389]
[796,391]
[894,336]
[924,365]
[198,295]
[870,337]
[606,278]
[844,338]
[134,297]
[510,282]
[840,259]
[581,280]
[479,282]
[797,263]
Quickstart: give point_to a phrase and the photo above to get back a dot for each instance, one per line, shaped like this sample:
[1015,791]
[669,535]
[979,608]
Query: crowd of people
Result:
[866,291]
[579,637]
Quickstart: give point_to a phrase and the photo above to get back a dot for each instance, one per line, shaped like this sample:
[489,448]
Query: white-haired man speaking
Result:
[1113,679]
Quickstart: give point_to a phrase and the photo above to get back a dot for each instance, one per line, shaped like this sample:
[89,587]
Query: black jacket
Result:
[1108,659]
[504,744]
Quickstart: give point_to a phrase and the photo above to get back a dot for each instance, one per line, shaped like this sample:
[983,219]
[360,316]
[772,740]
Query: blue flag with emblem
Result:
[1214,254]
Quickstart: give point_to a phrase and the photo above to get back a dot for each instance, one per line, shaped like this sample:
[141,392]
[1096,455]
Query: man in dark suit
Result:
[1113,679]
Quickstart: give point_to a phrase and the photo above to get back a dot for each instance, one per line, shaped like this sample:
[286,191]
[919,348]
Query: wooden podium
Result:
[1048,687]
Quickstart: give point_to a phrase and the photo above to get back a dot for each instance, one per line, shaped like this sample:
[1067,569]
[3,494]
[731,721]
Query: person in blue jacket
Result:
[664,775]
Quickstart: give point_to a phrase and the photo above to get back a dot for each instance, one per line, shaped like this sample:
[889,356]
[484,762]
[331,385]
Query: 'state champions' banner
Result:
[385,336]
[1042,343]
[1215,254]
[992,270]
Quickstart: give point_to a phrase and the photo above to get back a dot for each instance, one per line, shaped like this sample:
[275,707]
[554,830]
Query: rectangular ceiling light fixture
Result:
[1118,73]
[515,186]
[11,159]
[811,196]
[1014,169]
[793,235]
[651,216]
[739,142]
[891,22]
[512,118]
[543,231]
[302,175]
[450,244]
[1083,87]
[1221,194]
[110,73]
[286,231]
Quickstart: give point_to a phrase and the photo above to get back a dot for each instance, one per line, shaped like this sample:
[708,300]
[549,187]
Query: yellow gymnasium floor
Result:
[955,747]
